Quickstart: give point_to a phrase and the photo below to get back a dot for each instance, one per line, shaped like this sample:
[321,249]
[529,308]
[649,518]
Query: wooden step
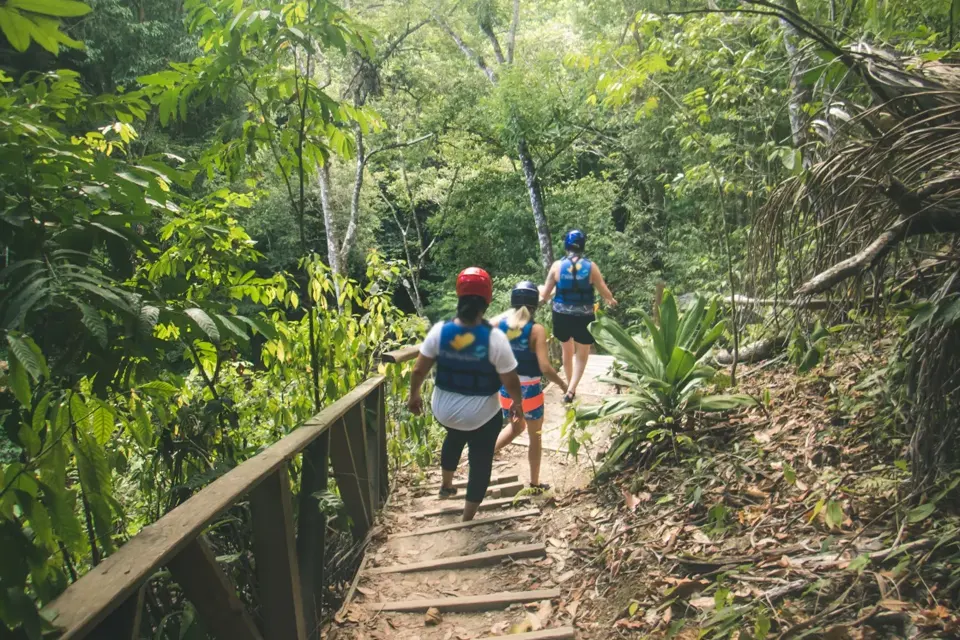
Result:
[487,602]
[486,505]
[471,523]
[463,483]
[482,559]
[560,633]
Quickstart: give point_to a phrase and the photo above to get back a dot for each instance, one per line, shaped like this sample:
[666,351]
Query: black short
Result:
[566,326]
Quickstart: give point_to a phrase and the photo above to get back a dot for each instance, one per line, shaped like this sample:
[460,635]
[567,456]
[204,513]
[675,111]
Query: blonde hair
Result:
[516,318]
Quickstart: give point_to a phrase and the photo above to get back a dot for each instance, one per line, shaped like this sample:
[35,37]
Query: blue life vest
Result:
[573,286]
[463,364]
[527,363]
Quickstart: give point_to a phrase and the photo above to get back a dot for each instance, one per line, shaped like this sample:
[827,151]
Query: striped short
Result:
[532,399]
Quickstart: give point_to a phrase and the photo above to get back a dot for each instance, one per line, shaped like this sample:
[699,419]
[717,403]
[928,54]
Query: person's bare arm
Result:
[420,370]
[596,279]
[551,284]
[539,337]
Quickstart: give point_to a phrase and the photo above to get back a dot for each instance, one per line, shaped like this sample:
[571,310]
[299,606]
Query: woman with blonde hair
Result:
[529,343]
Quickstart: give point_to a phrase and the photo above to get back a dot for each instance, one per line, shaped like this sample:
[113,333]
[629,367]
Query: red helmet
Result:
[474,281]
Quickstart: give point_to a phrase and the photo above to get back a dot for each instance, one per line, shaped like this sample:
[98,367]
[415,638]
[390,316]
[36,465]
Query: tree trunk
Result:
[333,249]
[799,92]
[536,203]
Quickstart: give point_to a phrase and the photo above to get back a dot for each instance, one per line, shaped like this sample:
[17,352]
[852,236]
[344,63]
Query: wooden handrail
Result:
[87,604]
[403,354]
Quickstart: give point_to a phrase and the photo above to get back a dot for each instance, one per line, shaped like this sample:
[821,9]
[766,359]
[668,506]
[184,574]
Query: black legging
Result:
[482,441]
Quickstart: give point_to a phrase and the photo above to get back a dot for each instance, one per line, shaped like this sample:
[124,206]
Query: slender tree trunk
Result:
[536,203]
[333,248]
[799,92]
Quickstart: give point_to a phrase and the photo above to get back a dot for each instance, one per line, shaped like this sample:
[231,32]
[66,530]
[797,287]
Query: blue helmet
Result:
[525,294]
[575,240]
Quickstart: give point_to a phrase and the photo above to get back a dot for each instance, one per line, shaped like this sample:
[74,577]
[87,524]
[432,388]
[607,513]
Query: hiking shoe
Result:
[568,398]
[447,493]
[538,489]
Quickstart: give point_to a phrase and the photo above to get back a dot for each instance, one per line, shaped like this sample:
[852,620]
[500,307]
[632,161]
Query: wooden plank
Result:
[560,633]
[348,455]
[482,559]
[486,505]
[460,484]
[89,600]
[312,530]
[402,354]
[470,523]
[505,490]
[487,602]
[209,589]
[278,577]
[124,622]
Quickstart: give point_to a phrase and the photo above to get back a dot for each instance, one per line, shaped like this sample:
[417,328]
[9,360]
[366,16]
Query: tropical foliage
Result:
[663,376]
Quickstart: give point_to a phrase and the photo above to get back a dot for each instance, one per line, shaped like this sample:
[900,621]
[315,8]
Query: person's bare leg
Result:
[534,432]
[470,510]
[568,348]
[579,366]
[446,480]
[508,434]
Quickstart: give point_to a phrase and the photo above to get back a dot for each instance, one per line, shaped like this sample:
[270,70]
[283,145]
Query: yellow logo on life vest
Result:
[462,341]
[514,333]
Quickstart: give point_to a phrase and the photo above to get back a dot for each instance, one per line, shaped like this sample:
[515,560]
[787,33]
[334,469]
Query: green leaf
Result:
[101,421]
[722,402]
[833,516]
[922,512]
[205,323]
[141,428]
[789,473]
[39,420]
[681,363]
[94,323]
[16,28]
[232,327]
[761,628]
[58,8]
[29,355]
[859,563]
[19,381]
[158,387]
[29,439]
[669,323]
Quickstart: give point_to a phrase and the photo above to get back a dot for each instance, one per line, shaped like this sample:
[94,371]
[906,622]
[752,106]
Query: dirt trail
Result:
[524,526]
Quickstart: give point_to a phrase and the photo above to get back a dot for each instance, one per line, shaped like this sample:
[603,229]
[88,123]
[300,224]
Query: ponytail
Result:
[517,317]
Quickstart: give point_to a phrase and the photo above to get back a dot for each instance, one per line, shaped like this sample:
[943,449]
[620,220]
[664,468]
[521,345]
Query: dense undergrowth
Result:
[796,518]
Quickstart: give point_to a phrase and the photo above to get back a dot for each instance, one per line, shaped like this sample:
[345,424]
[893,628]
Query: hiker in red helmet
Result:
[473,360]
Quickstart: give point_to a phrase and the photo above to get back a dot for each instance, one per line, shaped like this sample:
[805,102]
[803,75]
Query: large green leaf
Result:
[16,28]
[681,363]
[29,355]
[101,421]
[620,344]
[19,381]
[56,8]
[94,323]
[659,346]
[205,323]
[690,324]
[669,324]
[722,402]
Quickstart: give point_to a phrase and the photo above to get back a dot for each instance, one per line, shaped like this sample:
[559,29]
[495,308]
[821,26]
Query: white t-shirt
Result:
[466,413]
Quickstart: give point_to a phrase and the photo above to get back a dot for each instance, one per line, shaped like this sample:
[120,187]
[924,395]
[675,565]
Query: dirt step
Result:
[486,505]
[505,479]
[560,633]
[487,602]
[464,525]
[483,559]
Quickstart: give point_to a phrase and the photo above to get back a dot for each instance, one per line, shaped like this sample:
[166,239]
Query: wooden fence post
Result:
[372,427]
[348,453]
[384,467]
[312,530]
[124,622]
[274,551]
[196,570]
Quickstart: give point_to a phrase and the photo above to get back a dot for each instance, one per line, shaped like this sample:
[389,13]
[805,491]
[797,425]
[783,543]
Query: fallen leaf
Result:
[432,617]
[893,605]
[572,608]
[367,592]
[706,602]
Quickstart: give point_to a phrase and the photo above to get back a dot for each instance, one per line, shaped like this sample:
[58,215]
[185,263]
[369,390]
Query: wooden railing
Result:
[107,602]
